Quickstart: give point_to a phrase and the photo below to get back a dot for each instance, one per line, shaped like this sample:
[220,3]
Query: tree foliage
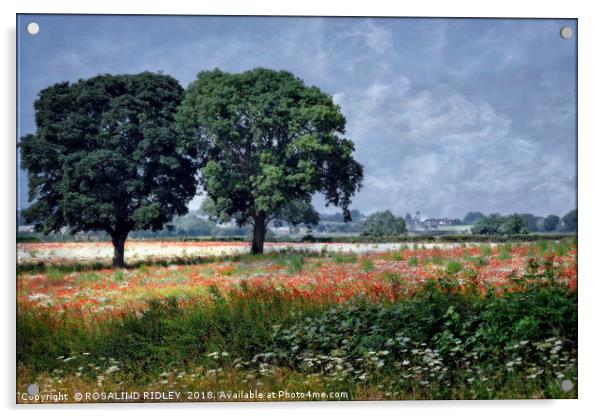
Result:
[266,139]
[106,156]
[570,221]
[381,224]
[472,217]
[531,221]
[551,223]
[496,224]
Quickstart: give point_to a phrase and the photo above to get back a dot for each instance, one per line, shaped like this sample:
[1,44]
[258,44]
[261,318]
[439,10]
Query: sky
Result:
[448,115]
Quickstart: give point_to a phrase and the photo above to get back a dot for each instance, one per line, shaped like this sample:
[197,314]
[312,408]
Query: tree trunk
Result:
[258,234]
[118,237]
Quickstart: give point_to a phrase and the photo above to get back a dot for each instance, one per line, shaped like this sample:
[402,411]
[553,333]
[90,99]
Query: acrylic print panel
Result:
[230,209]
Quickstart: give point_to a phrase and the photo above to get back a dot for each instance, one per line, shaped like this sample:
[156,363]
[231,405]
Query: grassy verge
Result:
[446,341]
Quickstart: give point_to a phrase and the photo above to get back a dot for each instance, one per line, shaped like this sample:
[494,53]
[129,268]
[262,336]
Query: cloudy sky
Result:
[448,115]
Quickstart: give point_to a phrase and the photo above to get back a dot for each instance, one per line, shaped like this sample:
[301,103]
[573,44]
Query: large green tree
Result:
[381,224]
[107,156]
[266,139]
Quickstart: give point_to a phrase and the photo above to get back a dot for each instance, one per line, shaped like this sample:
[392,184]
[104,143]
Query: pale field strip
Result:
[136,251]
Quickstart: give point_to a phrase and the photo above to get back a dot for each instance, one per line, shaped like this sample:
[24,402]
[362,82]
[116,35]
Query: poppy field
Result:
[464,321]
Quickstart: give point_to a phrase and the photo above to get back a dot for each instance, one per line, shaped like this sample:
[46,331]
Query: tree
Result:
[569,221]
[530,221]
[106,156]
[551,223]
[489,225]
[513,224]
[338,216]
[266,139]
[472,217]
[495,224]
[382,224]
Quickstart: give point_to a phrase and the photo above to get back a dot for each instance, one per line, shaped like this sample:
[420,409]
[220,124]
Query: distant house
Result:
[289,230]
[434,223]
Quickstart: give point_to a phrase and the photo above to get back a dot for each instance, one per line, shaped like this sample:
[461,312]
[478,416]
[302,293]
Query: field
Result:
[303,321]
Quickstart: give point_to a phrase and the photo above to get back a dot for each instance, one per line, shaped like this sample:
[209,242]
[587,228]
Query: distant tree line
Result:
[496,224]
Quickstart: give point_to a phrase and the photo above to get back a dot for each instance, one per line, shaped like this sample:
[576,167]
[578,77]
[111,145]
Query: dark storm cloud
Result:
[447,115]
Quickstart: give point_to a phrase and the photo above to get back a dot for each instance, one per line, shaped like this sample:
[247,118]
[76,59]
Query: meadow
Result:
[462,321]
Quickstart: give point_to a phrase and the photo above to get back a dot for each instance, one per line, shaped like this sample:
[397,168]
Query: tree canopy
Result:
[266,139]
[472,217]
[531,221]
[496,224]
[382,224]
[551,223]
[106,156]
[570,221]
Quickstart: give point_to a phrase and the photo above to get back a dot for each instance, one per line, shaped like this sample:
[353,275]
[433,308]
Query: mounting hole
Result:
[566,32]
[33,389]
[33,28]
[566,385]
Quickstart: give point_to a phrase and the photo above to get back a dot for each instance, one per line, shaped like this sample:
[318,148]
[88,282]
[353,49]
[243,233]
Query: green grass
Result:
[561,248]
[453,267]
[344,258]
[413,261]
[55,275]
[295,263]
[119,276]
[396,255]
[367,265]
[486,250]
[480,261]
[89,277]
[542,245]
[437,260]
